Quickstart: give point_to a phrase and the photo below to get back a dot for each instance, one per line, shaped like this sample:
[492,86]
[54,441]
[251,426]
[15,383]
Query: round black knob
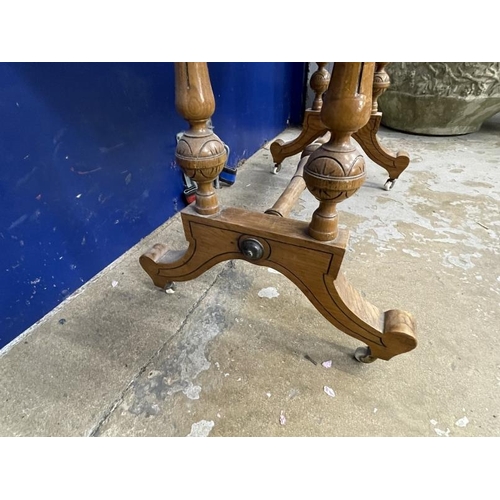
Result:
[252,249]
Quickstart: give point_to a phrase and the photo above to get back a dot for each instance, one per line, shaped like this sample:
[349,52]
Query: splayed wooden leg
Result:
[312,128]
[283,244]
[367,137]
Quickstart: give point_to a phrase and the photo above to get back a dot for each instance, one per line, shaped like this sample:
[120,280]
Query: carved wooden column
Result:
[319,83]
[381,82]
[336,170]
[200,153]
[312,127]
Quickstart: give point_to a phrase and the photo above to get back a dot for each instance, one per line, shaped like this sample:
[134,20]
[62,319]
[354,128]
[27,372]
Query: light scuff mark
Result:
[17,222]
[411,252]
[272,271]
[463,261]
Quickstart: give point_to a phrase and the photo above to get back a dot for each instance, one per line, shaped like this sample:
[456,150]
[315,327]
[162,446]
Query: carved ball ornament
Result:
[334,176]
[201,157]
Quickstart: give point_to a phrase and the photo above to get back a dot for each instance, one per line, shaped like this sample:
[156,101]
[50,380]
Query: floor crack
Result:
[94,431]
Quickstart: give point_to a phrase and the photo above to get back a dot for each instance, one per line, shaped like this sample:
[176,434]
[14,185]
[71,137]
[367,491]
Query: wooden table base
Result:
[309,254]
[283,244]
[313,128]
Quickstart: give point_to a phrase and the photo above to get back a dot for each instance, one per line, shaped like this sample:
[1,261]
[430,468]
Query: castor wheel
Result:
[277,168]
[170,287]
[364,355]
[389,184]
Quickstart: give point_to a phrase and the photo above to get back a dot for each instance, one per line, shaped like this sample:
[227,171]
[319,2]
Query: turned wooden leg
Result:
[367,135]
[312,128]
[336,170]
[199,152]
[319,83]
[381,82]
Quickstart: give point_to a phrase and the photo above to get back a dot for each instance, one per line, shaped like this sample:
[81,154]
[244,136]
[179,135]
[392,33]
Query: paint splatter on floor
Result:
[269,293]
[329,391]
[201,428]
[282,418]
[441,433]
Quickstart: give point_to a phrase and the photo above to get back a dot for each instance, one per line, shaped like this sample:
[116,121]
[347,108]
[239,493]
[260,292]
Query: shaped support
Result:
[367,136]
[283,244]
[313,127]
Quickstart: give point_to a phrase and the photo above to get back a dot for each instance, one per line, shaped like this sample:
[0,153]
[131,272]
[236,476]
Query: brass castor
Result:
[389,184]
[364,355]
[277,168]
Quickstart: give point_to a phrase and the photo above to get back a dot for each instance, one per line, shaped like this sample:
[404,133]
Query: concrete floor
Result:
[215,358]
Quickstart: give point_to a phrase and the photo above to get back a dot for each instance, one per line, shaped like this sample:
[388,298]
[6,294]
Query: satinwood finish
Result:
[310,255]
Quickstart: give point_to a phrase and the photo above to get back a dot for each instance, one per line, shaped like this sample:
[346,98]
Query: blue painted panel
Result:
[87,164]
[255,101]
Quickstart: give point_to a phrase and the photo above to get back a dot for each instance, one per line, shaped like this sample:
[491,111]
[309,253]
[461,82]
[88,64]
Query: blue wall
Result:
[87,164]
